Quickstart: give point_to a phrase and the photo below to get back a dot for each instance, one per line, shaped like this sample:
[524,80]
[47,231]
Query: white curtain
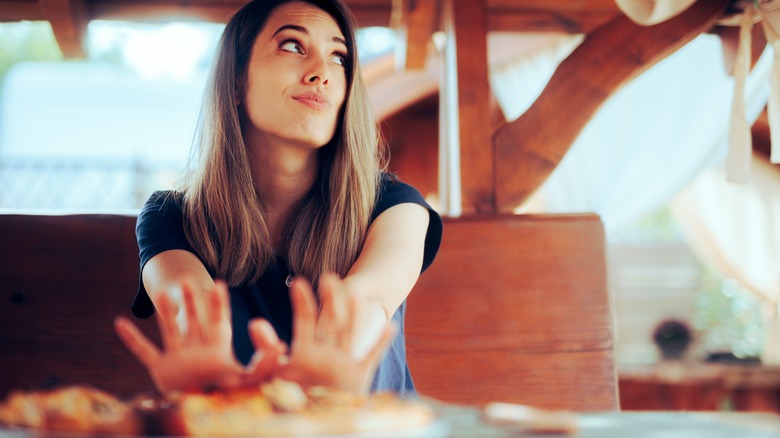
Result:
[650,139]
[735,228]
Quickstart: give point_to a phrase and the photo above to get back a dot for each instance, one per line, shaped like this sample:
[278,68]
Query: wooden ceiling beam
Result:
[502,15]
[367,14]
[69,21]
[520,20]
[528,149]
[20,10]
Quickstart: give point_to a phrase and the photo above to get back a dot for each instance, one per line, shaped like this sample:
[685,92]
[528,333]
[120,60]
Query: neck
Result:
[282,175]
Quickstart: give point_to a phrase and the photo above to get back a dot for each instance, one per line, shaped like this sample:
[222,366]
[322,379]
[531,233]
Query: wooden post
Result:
[68,20]
[466,113]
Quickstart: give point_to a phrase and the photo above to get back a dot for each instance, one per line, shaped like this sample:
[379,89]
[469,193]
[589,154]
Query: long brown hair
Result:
[224,217]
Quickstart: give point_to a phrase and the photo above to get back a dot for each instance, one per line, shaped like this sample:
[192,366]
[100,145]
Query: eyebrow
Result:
[306,31]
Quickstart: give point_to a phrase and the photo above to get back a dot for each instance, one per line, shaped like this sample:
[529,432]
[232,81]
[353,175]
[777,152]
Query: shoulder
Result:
[164,201]
[161,212]
[392,191]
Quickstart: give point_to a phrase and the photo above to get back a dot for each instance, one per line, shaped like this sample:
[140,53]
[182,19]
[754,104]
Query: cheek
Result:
[342,92]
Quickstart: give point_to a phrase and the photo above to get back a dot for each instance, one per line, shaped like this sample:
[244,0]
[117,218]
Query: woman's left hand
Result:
[323,355]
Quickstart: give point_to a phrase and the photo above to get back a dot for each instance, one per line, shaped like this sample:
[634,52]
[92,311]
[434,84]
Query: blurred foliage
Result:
[26,41]
[728,317]
[658,226]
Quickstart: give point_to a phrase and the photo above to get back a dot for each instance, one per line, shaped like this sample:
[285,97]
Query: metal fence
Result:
[80,185]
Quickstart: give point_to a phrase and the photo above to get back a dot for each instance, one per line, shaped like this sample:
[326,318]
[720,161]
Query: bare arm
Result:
[165,271]
[383,275]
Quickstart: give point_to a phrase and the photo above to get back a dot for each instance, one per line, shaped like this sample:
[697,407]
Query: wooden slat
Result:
[528,149]
[68,20]
[515,309]
[476,151]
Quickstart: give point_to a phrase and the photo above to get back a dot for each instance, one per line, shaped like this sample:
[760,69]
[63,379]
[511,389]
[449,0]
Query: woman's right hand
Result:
[200,355]
[319,358]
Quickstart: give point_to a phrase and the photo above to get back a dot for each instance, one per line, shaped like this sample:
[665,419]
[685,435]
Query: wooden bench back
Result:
[516,309]
[62,281]
[513,309]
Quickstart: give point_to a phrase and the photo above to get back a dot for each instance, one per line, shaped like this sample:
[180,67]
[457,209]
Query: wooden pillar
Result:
[68,20]
[467,163]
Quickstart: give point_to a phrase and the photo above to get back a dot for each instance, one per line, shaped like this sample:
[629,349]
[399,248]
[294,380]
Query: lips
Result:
[314,100]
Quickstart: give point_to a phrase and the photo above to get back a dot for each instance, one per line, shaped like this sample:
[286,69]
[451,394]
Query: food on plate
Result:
[79,409]
[277,408]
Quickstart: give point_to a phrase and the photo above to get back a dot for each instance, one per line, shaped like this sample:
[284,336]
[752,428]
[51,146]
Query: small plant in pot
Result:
[673,338]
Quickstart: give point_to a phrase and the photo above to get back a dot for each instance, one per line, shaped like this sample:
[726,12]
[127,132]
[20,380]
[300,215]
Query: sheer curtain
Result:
[650,139]
[735,228]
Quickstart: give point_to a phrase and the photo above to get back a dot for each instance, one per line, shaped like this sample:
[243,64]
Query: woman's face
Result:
[296,80]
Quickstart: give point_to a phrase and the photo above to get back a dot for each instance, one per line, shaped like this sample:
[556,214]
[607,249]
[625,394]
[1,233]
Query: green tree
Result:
[26,41]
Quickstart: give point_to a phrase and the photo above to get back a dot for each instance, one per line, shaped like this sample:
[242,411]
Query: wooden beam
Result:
[68,20]
[476,150]
[520,20]
[549,15]
[528,149]
[20,10]
[502,15]
[415,22]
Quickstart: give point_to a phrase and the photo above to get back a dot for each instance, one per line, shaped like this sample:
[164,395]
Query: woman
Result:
[287,192]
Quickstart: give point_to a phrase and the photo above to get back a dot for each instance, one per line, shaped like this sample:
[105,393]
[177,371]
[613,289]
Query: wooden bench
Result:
[515,308]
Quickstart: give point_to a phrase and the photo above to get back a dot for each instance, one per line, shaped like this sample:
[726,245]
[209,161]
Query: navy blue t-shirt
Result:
[160,228]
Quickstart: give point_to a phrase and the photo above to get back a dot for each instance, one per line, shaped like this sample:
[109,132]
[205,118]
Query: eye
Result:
[339,59]
[291,46]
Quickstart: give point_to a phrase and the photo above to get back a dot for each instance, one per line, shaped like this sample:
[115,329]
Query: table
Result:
[678,385]
[465,422]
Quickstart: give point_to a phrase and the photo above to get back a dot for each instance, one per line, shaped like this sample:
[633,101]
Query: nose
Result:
[317,70]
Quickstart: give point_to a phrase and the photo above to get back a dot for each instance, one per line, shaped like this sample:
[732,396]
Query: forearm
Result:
[164,273]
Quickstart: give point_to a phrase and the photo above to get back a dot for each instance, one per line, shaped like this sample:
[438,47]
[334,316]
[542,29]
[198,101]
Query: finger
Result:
[304,311]
[262,334]
[166,321]
[268,349]
[191,307]
[347,338]
[330,286]
[375,353]
[326,323]
[218,313]
[135,341]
